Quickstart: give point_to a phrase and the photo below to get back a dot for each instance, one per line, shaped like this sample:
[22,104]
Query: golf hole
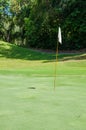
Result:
[31,88]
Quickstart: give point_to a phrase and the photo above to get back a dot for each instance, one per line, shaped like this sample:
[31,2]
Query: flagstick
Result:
[56,66]
[59,40]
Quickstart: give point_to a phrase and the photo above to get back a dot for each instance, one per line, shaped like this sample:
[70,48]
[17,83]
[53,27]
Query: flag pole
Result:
[56,61]
[59,40]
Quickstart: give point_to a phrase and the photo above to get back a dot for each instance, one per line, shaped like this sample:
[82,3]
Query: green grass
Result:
[41,108]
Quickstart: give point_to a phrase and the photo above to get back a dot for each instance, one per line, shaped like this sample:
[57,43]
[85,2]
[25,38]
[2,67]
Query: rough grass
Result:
[27,98]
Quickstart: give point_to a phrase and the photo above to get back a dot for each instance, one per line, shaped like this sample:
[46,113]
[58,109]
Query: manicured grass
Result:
[27,98]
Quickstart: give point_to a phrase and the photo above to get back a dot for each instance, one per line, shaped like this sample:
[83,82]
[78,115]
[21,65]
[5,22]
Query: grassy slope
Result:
[13,58]
[41,108]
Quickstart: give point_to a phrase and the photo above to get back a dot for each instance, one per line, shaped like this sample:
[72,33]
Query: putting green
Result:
[42,108]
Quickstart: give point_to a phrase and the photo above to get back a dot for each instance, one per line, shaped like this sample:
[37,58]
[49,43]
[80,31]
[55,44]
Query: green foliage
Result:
[74,28]
[41,27]
[35,23]
[3,15]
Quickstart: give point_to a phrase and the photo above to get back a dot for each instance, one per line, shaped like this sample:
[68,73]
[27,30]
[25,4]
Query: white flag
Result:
[59,36]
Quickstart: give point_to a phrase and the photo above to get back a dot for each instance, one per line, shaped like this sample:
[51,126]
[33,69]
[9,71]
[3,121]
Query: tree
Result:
[34,23]
[73,26]
[20,10]
[3,14]
[43,21]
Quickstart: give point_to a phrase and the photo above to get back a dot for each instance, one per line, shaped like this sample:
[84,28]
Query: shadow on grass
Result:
[67,57]
[15,52]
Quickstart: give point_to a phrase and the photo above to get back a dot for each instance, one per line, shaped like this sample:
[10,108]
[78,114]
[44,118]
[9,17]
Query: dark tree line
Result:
[34,23]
